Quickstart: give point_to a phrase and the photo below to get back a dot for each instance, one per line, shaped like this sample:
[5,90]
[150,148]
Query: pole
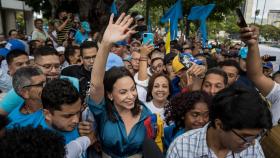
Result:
[263,11]
[147,12]
[24,20]
[256,12]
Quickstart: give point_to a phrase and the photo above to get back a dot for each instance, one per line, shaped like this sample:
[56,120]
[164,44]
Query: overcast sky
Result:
[270,5]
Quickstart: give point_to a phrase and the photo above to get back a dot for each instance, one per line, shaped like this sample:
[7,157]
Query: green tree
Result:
[98,11]
[269,32]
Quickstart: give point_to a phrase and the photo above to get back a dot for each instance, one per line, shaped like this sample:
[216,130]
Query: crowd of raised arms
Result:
[70,93]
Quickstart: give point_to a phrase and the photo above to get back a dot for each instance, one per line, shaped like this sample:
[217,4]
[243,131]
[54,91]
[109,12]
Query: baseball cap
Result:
[139,17]
[85,26]
[177,65]
[268,65]
[113,60]
[12,45]
[60,49]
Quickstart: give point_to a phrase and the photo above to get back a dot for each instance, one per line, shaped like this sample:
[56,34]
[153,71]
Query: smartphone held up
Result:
[241,20]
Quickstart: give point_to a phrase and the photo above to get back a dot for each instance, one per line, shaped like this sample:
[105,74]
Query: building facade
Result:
[8,11]
[273,18]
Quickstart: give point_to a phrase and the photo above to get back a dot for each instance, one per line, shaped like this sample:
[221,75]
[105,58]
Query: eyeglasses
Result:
[88,58]
[41,84]
[159,66]
[50,66]
[249,140]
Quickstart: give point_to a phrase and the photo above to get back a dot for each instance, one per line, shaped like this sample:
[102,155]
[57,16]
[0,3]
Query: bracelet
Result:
[143,59]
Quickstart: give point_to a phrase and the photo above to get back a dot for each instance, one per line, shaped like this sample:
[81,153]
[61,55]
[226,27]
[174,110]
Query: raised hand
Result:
[119,30]
[249,35]
[145,50]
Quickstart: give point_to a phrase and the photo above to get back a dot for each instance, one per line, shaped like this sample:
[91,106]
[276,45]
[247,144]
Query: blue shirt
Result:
[175,86]
[19,119]
[12,99]
[80,38]
[68,136]
[169,134]
[113,136]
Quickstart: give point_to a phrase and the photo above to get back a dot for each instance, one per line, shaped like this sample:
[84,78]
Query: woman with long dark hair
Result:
[114,101]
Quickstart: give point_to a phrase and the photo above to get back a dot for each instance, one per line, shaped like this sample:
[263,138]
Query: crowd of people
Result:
[69,92]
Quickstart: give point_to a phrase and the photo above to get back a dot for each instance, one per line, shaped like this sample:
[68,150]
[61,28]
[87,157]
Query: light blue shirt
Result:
[68,136]
[80,38]
[12,99]
[19,119]
[113,136]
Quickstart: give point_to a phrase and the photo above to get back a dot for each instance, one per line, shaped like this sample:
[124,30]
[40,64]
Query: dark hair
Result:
[23,77]
[13,54]
[149,96]
[58,92]
[86,45]
[12,30]
[183,103]
[110,78]
[216,71]
[69,51]
[44,51]
[31,142]
[168,58]
[240,108]
[4,121]
[38,20]
[230,63]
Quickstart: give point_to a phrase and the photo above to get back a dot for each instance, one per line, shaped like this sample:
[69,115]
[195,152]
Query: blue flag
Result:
[173,14]
[201,13]
[114,8]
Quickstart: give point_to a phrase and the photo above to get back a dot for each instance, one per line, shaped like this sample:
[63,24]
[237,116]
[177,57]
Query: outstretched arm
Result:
[254,62]
[145,50]
[115,31]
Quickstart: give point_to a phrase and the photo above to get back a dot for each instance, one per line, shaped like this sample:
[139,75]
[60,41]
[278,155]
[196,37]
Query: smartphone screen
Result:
[148,38]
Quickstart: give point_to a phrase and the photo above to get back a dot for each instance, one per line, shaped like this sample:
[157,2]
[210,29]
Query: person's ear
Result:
[218,124]
[48,115]
[110,96]
[237,77]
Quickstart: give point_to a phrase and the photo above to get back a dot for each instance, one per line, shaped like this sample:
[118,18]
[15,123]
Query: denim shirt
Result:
[113,136]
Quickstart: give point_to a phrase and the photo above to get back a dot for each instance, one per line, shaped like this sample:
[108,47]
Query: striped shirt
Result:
[62,34]
[192,144]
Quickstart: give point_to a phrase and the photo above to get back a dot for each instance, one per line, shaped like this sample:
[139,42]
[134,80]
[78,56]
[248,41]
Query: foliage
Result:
[269,32]
[40,5]
[99,10]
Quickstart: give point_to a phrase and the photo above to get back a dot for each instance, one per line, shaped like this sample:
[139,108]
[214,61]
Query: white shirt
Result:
[274,98]
[150,105]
